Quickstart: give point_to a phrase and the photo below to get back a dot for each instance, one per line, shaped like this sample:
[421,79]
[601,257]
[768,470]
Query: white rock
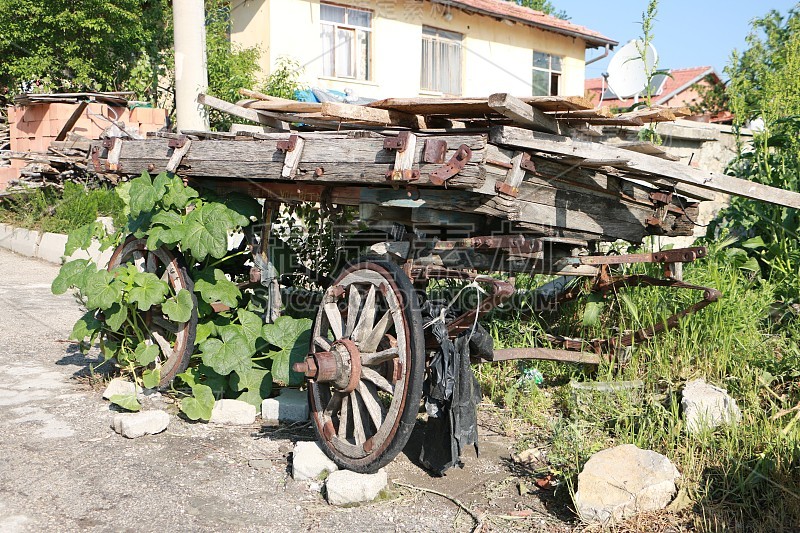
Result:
[290,406]
[233,413]
[133,425]
[345,487]
[119,386]
[706,406]
[309,461]
[108,224]
[622,481]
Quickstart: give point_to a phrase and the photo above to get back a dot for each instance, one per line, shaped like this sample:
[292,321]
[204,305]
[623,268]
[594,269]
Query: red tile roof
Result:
[525,15]
[681,80]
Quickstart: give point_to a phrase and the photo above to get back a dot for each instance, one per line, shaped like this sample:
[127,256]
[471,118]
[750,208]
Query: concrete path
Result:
[63,469]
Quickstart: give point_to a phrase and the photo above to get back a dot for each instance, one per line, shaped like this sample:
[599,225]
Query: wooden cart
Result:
[476,186]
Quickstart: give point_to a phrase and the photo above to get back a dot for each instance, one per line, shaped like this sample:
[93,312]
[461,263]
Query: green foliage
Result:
[764,84]
[649,134]
[61,212]
[284,81]
[236,355]
[93,44]
[743,475]
[713,97]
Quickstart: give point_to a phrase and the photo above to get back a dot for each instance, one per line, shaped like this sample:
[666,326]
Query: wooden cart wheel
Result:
[175,339]
[365,367]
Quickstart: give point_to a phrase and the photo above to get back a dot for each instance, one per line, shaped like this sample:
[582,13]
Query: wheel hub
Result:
[341,366]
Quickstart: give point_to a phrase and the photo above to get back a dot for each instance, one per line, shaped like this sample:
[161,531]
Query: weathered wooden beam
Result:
[238,111]
[518,111]
[648,164]
[70,123]
[383,117]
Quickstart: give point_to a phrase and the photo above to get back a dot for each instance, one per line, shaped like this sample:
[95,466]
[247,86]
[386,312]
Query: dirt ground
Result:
[63,468]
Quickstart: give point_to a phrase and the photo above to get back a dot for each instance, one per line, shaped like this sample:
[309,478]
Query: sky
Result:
[686,33]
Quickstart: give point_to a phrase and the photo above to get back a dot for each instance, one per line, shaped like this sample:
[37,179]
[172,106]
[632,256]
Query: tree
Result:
[69,45]
[543,5]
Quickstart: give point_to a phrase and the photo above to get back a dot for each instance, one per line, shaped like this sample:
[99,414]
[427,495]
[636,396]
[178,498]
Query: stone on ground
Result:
[622,481]
[706,406]
[290,406]
[344,487]
[233,413]
[133,425]
[119,386]
[309,461]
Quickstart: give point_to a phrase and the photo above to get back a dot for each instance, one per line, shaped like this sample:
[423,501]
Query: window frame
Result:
[550,71]
[436,39]
[335,27]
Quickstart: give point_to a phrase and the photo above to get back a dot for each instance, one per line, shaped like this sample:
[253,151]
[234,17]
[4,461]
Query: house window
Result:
[441,61]
[546,74]
[346,33]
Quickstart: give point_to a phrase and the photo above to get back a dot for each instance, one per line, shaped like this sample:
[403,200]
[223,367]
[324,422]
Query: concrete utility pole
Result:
[191,63]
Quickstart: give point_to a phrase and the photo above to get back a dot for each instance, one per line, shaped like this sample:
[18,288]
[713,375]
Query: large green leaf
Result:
[149,291]
[292,336]
[251,326]
[200,404]
[87,326]
[255,385]
[241,208]
[167,229]
[145,354]
[205,231]
[179,308]
[126,401]
[216,287]
[115,316]
[178,195]
[143,195]
[102,290]
[231,352]
[151,377]
[72,274]
[81,238]
[160,184]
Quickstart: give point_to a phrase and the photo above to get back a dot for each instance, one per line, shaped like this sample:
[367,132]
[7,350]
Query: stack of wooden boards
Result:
[493,164]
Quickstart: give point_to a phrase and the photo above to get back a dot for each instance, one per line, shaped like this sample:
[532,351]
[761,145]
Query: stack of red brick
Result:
[32,128]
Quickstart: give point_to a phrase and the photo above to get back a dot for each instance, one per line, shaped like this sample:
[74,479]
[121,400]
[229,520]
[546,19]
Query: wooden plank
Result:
[237,111]
[476,107]
[382,117]
[682,173]
[644,147]
[649,115]
[600,112]
[525,114]
[615,121]
[283,105]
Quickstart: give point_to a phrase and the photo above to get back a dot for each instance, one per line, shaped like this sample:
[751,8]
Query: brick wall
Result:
[32,128]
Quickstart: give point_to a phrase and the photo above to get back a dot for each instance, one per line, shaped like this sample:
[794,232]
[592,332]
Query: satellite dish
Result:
[627,72]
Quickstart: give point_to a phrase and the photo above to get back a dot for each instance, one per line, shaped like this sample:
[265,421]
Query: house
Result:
[679,89]
[410,48]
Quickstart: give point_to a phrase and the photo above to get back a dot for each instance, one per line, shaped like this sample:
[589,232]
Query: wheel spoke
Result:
[372,359]
[374,407]
[334,319]
[323,343]
[358,423]
[367,318]
[373,339]
[150,265]
[165,324]
[334,404]
[138,260]
[377,379]
[342,432]
[353,306]
[163,343]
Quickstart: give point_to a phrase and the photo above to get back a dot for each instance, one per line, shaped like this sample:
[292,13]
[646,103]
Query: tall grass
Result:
[742,478]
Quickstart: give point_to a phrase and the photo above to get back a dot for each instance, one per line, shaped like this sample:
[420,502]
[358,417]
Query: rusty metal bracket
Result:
[678,255]
[434,151]
[288,145]
[453,167]
[96,158]
[526,163]
[399,143]
[505,188]
[177,142]
[511,243]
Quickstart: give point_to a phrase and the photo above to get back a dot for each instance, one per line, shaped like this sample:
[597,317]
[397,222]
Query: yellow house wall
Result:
[497,56]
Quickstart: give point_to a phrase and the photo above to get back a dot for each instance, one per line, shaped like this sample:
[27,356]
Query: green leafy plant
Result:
[235,354]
